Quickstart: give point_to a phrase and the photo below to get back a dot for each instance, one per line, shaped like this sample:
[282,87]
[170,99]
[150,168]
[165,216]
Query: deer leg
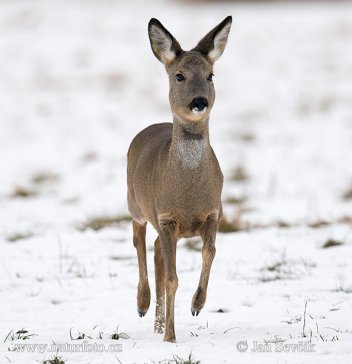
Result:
[208,235]
[143,292]
[159,324]
[168,240]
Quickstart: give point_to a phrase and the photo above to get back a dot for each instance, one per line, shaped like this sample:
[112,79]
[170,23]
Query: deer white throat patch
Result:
[191,152]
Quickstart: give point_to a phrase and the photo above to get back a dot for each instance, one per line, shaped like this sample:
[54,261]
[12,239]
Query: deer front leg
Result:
[159,324]
[143,293]
[168,240]
[208,235]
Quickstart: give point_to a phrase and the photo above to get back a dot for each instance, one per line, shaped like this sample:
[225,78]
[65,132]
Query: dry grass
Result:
[54,360]
[33,187]
[341,286]
[194,244]
[283,269]
[122,258]
[101,222]
[236,224]
[23,192]
[236,200]
[244,136]
[309,105]
[80,335]
[12,238]
[283,224]
[178,360]
[90,156]
[221,310]
[247,137]
[116,335]
[332,243]
[319,224]
[22,334]
[45,177]
[229,226]
[239,174]
[347,194]
[345,220]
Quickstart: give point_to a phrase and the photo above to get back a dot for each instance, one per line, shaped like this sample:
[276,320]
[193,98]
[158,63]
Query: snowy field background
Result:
[77,81]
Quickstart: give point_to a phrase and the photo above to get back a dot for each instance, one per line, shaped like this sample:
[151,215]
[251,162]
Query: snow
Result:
[78,81]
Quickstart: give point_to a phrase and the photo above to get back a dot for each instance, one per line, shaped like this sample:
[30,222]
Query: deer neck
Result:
[190,146]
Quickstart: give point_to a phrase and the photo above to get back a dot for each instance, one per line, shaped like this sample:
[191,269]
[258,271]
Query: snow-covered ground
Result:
[77,81]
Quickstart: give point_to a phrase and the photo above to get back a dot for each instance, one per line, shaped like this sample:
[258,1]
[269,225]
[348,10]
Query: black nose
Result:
[199,104]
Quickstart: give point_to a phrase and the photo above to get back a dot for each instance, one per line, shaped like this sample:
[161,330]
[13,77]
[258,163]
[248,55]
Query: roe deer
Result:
[174,179]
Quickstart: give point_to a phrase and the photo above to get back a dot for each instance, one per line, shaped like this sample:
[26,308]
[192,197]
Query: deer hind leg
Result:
[168,240]
[143,293]
[159,324]
[208,235]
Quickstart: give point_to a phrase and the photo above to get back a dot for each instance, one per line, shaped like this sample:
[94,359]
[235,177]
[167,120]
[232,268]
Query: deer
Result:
[174,180]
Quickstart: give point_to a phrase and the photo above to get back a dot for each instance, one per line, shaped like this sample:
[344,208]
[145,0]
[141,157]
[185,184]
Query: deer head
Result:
[192,92]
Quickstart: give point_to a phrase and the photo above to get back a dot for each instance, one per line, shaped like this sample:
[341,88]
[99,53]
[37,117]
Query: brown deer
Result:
[174,179]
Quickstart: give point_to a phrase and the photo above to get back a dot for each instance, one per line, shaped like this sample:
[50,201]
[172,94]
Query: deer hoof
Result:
[194,311]
[141,313]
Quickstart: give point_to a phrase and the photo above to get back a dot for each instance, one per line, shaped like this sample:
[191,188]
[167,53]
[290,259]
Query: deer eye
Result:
[180,77]
[210,77]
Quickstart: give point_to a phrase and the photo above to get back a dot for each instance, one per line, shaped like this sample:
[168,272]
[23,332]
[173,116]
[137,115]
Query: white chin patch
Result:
[196,111]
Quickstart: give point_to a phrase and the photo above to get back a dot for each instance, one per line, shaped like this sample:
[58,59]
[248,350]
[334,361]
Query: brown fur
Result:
[174,179]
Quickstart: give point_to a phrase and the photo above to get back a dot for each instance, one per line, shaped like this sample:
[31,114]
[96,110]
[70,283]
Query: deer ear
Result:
[213,44]
[164,46]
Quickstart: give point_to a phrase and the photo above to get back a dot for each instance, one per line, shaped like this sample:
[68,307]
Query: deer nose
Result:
[199,104]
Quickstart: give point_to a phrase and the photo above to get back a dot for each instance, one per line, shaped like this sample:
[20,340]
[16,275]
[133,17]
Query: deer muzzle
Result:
[199,105]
